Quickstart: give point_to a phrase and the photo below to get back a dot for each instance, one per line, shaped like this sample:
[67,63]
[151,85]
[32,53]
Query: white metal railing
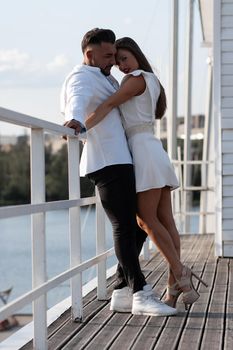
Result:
[179,197]
[37,209]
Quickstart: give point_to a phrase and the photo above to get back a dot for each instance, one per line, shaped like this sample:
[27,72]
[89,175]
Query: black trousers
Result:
[116,186]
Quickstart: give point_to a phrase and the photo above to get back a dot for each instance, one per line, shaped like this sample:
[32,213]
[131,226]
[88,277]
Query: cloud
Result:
[59,61]
[19,69]
[13,60]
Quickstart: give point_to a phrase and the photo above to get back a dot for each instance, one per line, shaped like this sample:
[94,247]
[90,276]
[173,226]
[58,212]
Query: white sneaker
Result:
[146,303]
[122,300]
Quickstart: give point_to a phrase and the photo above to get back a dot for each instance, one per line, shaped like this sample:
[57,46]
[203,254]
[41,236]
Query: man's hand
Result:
[73,124]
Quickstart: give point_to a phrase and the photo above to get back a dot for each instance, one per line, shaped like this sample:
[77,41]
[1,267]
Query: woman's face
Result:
[126,61]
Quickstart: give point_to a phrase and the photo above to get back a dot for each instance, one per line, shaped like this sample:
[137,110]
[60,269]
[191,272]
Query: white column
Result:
[217,126]
[172,94]
[187,115]
[75,227]
[38,238]
[205,152]
[100,248]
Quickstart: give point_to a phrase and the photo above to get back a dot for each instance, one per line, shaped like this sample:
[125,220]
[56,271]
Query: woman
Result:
[141,99]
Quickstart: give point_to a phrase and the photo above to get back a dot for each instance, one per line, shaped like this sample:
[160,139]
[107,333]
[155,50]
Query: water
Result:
[15,251]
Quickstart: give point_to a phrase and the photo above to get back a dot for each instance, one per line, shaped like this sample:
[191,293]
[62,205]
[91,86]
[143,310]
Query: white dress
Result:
[153,168]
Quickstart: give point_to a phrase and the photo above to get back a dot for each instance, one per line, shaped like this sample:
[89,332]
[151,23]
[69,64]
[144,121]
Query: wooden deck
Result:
[208,324]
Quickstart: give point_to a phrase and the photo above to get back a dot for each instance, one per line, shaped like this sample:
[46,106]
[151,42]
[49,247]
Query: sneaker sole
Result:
[120,310]
[143,313]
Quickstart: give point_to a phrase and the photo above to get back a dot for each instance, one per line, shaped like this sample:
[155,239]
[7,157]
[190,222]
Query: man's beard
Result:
[106,73]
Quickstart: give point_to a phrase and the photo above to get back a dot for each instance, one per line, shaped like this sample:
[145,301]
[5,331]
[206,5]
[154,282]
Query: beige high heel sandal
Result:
[192,295]
[174,292]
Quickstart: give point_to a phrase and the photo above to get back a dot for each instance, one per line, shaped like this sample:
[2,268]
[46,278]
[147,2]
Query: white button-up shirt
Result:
[84,89]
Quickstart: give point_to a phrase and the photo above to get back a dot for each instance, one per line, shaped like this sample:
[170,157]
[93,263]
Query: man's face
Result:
[103,56]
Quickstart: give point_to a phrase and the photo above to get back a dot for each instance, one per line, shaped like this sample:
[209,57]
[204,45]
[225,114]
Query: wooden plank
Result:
[227,102]
[227,9]
[227,169]
[228,342]
[166,336]
[227,80]
[227,57]
[228,248]
[177,334]
[227,202]
[127,333]
[214,328]
[227,158]
[227,234]
[87,333]
[192,333]
[103,329]
[109,327]
[227,180]
[227,214]
[227,223]
[227,189]
[109,332]
[227,34]
[227,146]
[119,323]
[227,68]
[227,112]
[227,135]
[226,45]
[227,22]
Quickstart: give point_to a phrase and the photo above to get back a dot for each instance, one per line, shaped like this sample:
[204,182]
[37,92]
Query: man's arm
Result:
[77,95]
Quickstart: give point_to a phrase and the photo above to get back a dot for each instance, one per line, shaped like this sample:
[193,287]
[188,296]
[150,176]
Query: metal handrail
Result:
[37,210]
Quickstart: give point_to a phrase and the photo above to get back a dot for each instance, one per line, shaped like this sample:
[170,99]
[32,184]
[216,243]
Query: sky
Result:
[40,44]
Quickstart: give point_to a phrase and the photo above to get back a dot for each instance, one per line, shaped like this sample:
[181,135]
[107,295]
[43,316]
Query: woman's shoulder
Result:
[148,76]
[136,73]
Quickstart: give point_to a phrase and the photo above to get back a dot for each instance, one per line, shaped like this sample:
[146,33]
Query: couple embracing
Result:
[129,166]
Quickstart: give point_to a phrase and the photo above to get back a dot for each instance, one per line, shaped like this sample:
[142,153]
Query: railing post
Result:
[75,227]
[100,248]
[38,237]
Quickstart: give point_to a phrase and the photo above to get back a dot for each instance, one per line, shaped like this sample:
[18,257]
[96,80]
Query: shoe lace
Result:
[150,295]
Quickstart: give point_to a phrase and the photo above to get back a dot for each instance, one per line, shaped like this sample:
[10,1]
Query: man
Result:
[107,161]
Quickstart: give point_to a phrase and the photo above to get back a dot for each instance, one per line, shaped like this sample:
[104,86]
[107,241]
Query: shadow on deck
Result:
[208,324]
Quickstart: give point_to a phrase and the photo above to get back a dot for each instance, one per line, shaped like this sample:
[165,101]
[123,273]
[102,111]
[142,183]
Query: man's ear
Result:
[89,54]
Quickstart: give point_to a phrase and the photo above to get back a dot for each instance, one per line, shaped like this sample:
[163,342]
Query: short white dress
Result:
[153,168]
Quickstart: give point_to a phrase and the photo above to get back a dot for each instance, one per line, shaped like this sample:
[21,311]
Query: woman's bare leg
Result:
[166,217]
[149,220]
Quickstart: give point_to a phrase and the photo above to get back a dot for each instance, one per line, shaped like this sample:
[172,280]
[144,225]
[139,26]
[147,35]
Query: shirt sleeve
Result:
[78,93]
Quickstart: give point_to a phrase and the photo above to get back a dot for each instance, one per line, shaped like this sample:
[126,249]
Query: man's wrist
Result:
[83,128]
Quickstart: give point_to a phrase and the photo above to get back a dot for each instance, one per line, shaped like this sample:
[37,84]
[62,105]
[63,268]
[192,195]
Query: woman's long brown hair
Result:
[129,44]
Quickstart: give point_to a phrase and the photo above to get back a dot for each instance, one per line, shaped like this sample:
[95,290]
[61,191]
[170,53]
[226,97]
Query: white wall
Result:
[223,117]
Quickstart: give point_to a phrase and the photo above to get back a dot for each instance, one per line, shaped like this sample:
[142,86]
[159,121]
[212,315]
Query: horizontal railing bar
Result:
[193,213]
[20,302]
[196,188]
[27,121]
[201,162]
[27,209]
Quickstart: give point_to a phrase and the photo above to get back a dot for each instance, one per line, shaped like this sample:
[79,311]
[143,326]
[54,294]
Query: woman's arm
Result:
[133,86]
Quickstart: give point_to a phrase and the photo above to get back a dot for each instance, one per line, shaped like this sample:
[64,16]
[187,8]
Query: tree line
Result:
[15,174]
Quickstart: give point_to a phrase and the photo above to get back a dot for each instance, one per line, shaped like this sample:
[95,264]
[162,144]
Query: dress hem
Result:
[172,188]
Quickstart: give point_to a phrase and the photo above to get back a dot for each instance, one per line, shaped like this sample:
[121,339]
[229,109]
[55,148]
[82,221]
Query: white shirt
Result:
[84,89]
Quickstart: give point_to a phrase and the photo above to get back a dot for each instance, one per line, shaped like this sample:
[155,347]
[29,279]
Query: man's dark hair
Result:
[97,36]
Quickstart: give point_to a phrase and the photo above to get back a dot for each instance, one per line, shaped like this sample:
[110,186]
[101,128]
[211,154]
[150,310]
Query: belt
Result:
[139,128]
